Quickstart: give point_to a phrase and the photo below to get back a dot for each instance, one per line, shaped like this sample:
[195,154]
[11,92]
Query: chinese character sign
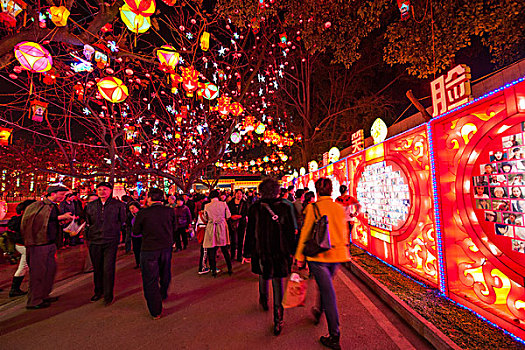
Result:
[358,141]
[450,91]
[325,159]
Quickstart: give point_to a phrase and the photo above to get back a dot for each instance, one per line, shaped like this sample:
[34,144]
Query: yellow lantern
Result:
[205,41]
[59,15]
[112,89]
[168,57]
[135,23]
[5,135]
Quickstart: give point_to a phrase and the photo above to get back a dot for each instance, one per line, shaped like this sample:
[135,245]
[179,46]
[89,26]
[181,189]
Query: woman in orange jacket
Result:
[324,265]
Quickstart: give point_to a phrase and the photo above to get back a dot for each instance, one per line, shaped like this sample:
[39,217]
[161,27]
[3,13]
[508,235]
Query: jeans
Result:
[103,258]
[237,231]
[212,258]
[137,246]
[324,273]
[42,271]
[156,268]
[203,258]
[181,233]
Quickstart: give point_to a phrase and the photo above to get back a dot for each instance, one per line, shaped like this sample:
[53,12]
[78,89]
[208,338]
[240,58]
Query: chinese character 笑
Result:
[358,141]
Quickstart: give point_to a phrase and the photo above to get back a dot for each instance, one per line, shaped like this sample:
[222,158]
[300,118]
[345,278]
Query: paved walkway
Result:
[200,313]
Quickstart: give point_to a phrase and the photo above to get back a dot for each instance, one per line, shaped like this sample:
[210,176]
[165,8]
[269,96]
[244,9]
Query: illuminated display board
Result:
[479,171]
[392,182]
[383,192]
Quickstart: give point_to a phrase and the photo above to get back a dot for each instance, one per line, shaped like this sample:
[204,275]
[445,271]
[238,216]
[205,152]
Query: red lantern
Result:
[38,110]
[404,8]
[236,109]
[11,9]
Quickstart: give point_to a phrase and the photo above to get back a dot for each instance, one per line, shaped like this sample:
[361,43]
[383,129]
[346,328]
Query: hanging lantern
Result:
[283,39]
[169,2]
[38,110]
[205,41]
[5,136]
[143,8]
[404,8]
[210,92]
[137,149]
[33,57]
[260,128]
[112,89]
[190,81]
[235,137]
[130,133]
[223,106]
[88,52]
[168,58]
[11,9]
[236,109]
[136,23]
[59,15]
[49,77]
[79,90]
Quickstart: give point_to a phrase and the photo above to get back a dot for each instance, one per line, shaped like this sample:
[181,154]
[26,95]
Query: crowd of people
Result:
[267,228]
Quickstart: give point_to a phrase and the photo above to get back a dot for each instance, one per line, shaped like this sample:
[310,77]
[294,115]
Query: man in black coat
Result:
[156,224]
[105,218]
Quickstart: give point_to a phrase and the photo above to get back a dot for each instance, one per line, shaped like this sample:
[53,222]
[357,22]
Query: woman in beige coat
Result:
[215,215]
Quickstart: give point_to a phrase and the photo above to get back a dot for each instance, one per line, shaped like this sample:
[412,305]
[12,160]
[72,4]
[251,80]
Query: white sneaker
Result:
[206,270]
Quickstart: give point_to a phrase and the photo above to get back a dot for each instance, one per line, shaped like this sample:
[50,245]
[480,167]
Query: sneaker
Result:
[95,297]
[331,342]
[42,305]
[205,270]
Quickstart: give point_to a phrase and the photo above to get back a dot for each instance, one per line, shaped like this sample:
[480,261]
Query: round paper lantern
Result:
[143,8]
[136,23]
[260,128]
[211,91]
[112,89]
[168,57]
[235,137]
[33,57]
[236,109]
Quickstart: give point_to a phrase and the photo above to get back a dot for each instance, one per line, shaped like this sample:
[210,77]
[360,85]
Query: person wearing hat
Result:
[41,231]
[105,219]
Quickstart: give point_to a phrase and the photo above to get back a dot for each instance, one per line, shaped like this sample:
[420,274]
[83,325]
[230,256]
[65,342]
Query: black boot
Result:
[263,300]
[331,341]
[278,319]
[15,287]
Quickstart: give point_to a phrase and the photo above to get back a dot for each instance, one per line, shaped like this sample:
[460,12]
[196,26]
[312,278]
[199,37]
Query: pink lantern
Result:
[33,57]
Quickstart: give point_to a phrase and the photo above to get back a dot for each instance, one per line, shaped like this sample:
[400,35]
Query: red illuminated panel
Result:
[392,180]
[479,169]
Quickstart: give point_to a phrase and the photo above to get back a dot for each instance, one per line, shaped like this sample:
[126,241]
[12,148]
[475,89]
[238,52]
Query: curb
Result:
[426,329]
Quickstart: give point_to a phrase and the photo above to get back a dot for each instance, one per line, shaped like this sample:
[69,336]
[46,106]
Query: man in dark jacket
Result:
[237,223]
[156,224]
[270,243]
[105,218]
[183,221]
[41,231]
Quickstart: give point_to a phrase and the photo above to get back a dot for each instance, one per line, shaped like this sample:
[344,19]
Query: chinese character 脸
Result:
[450,91]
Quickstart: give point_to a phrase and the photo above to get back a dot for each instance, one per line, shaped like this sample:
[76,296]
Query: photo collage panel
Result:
[499,189]
[385,196]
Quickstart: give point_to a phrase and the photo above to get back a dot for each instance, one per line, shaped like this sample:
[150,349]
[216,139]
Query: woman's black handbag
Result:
[320,241]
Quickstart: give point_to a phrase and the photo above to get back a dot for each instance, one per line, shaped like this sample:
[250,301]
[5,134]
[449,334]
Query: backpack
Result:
[320,241]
